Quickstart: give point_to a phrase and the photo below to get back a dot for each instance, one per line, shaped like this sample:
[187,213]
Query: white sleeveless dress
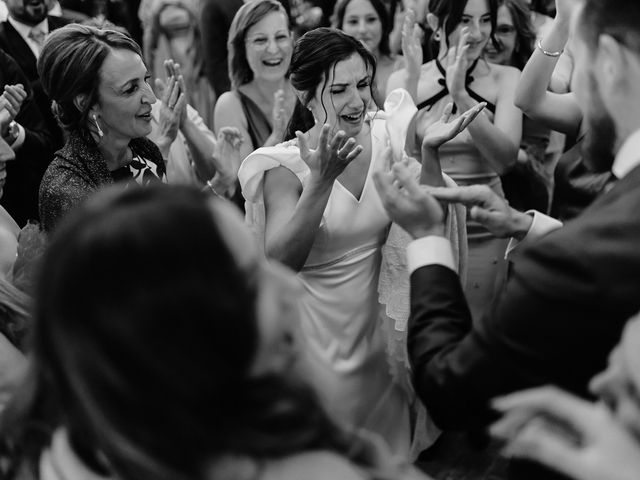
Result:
[344,352]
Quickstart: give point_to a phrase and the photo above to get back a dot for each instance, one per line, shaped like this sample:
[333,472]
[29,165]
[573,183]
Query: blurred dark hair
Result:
[145,332]
[315,54]
[69,65]
[618,18]
[525,33]
[337,21]
[449,13]
[249,14]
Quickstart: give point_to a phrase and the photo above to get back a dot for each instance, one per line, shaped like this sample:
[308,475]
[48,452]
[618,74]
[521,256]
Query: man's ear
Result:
[612,62]
[432,20]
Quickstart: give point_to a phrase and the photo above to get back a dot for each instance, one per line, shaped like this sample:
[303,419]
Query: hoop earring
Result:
[100,132]
[436,35]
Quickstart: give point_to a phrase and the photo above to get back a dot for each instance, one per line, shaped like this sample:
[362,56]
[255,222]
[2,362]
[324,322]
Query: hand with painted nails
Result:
[331,157]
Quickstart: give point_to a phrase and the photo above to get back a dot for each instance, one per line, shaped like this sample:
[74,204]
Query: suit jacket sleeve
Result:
[38,144]
[214,44]
[531,336]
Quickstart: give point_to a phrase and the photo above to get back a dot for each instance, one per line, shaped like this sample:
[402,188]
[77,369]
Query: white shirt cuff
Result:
[19,139]
[541,225]
[432,250]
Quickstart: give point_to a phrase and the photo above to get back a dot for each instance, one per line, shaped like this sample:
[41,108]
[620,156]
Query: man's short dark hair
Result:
[618,18]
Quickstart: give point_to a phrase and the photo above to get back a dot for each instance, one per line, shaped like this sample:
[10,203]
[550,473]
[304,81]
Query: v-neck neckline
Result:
[366,180]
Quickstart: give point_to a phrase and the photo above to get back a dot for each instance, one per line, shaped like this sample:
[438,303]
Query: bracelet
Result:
[548,54]
[216,193]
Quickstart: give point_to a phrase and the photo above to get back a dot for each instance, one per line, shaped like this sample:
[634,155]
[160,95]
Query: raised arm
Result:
[293,214]
[558,111]
[498,141]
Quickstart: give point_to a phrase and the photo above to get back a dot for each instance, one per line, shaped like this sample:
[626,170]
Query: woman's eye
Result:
[352,22]
[337,91]
[259,41]
[364,84]
[486,20]
[372,19]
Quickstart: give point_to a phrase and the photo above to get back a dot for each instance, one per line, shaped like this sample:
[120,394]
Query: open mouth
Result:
[352,118]
[272,63]
[145,116]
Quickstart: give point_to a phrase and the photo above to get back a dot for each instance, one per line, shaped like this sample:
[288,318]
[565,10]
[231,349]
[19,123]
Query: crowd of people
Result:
[354,239]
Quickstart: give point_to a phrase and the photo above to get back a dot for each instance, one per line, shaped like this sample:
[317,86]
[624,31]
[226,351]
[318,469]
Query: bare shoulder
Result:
[505,74]
[280,181]
[228,109]
[319,465]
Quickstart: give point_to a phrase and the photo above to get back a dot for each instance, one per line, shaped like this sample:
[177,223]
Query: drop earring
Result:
[436,35]
[100,132]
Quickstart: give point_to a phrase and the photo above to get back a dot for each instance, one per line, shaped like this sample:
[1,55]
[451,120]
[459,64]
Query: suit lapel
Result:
[19,50]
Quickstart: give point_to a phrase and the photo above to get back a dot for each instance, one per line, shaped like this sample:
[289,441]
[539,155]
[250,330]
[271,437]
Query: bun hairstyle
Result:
[69,65]
[315,55]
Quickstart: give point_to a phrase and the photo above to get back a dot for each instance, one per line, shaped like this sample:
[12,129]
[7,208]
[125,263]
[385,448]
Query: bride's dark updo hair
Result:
[315,55]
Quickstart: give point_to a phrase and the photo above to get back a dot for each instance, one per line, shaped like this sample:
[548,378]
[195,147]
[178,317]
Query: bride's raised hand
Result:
[446,129]
[457,65]
[331,157]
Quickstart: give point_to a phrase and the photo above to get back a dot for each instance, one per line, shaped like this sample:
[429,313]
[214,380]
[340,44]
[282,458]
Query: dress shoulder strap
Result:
[428,103]
[258,125]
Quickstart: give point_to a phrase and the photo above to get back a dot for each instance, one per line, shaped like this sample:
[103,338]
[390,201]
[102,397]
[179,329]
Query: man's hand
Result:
[575,437]
[407,203]
[487,208]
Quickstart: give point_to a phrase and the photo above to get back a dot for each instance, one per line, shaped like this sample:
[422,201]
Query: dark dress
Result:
[79,169]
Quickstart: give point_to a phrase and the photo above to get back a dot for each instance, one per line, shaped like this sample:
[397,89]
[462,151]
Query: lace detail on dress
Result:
[394,286]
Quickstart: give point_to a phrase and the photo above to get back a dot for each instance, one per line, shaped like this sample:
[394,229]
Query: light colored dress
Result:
[354,353]
[463,162]
[344,351]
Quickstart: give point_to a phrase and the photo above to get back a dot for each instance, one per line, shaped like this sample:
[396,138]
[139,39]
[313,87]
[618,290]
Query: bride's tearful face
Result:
[343,100]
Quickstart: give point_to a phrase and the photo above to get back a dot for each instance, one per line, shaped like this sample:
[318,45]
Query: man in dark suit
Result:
[22,36]
[33,146]
[571,291]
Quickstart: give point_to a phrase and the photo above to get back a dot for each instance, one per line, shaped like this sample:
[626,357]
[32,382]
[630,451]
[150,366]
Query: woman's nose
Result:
[362,26]
[272,46]
[148,96]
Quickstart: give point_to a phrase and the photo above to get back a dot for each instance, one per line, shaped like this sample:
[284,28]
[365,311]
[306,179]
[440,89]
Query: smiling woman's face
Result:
[361,21]
[124,96]
[477,18]
[268,46]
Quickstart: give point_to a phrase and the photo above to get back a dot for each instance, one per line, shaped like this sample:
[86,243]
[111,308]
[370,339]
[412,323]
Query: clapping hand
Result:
[408,204]
[446,129]
[174,105]
[457,65]
[575,437]
[227,152]
[411,51]
[330,159]
[12,99]
[278,116]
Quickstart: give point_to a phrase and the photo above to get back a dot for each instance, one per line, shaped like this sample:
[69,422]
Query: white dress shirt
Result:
[24,31]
